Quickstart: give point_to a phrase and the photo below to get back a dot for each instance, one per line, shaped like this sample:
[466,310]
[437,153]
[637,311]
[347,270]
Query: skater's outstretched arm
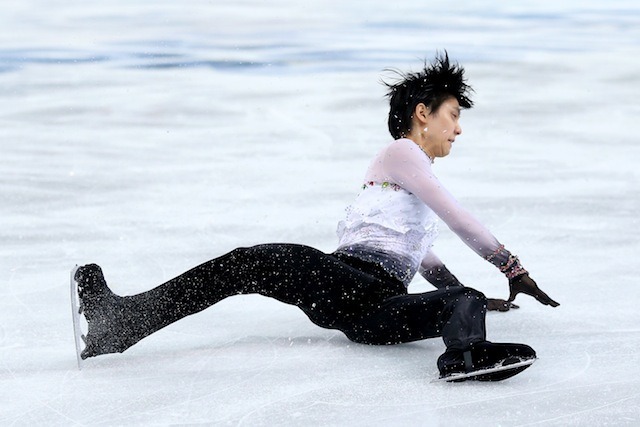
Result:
[406,165]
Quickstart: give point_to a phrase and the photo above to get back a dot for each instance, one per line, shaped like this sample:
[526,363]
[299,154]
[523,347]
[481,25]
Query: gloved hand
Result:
[526,285]
[495,304]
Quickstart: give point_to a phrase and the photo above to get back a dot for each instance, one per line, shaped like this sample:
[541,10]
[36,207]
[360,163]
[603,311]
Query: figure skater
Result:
[361,288]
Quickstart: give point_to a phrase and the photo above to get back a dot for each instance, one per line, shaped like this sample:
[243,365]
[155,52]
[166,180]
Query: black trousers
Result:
[335,291]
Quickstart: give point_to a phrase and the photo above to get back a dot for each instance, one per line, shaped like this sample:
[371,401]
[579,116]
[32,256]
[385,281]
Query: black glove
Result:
[526,285]
[495,304]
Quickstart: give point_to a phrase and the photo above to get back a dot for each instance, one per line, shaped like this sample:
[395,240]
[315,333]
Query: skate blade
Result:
[518,367]
[77,315]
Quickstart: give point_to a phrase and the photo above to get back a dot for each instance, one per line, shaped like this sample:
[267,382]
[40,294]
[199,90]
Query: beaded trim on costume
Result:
[513,268]
[385,184]
[494,253]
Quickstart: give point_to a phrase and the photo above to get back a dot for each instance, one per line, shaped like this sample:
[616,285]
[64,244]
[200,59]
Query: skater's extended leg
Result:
[293,274]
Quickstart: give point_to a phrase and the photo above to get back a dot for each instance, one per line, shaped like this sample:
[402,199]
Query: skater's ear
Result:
[421,113]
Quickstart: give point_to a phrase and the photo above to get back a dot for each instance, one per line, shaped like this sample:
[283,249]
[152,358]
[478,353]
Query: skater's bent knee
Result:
[463,291]
[242,253]
[472,293]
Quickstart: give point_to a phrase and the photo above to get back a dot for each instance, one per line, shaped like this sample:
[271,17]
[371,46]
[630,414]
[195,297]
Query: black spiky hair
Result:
[437,82]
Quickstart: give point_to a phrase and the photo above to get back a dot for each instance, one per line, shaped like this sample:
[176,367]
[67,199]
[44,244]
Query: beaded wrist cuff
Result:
[513,268]
[495,253]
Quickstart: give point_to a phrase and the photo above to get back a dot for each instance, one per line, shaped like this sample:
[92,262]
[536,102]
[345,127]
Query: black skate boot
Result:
[485,361]
[104,313]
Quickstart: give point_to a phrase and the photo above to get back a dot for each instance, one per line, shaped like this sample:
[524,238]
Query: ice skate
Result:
[485,361]
[103,312]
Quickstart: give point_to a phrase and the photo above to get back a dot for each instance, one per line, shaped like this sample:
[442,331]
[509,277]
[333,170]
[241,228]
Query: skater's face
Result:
[437,129]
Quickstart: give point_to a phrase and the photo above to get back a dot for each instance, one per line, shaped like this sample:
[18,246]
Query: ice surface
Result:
[149,137]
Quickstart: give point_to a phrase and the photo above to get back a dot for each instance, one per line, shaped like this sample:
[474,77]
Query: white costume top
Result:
[397,214]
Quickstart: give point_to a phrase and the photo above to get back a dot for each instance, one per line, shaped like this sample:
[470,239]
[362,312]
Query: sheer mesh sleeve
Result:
[436,273]
[405,164]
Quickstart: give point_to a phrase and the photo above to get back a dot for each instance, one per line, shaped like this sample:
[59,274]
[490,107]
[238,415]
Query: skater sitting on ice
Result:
[361,288]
